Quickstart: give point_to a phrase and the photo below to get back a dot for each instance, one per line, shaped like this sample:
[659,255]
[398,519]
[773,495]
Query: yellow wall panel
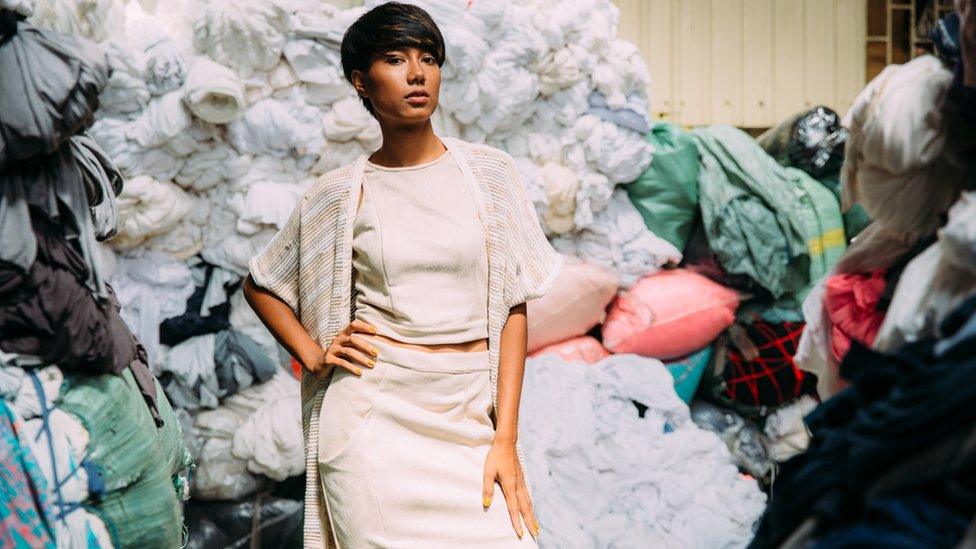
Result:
[757,64]
[751,63]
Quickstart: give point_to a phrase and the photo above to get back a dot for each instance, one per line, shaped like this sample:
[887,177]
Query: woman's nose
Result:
[416,72]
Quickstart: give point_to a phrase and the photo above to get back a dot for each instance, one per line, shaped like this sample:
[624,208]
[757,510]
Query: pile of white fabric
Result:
[604,473]
[220,114]
[253,436]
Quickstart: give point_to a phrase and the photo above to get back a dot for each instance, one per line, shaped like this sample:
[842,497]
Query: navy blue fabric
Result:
[894,406]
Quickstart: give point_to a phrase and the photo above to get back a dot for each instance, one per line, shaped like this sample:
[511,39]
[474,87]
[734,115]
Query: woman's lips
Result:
[418,99]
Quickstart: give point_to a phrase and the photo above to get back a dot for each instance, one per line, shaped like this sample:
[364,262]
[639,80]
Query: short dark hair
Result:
[392,25]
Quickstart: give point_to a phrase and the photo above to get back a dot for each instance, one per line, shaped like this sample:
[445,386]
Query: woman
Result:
[399,283]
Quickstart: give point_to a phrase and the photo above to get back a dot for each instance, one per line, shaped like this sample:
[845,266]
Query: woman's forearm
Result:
[511,368]
[282,322]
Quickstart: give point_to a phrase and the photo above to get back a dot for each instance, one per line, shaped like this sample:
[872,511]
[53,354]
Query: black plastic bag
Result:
[264,521]
[812,141]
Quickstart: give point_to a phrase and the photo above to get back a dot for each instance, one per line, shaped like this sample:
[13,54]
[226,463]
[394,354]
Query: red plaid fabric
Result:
[772,379]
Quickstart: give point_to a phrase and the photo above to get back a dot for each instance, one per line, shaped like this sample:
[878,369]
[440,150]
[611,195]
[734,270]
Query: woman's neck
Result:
[408,146]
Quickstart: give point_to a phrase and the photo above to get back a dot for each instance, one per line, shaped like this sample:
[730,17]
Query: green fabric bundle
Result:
[141,467]
[823,224]
[666,195]
[752,211]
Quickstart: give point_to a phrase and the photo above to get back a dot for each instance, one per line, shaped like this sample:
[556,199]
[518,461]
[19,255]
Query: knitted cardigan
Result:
[308,264]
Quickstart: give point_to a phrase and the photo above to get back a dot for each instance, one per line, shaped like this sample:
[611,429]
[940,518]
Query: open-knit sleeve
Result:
[276,267]
[533,264]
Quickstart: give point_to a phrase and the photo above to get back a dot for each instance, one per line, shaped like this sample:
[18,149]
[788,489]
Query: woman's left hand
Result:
[502,465]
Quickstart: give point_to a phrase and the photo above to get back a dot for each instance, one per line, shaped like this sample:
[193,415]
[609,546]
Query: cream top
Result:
[420,259]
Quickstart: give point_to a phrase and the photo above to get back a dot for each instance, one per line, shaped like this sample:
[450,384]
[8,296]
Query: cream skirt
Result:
[402,453]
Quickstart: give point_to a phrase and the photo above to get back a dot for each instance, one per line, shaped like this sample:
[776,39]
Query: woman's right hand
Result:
[347,350]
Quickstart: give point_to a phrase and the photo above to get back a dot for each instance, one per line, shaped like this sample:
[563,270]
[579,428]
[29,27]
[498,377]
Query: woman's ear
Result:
[359,82]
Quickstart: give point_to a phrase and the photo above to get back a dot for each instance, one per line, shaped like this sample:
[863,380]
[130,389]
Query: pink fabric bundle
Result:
[576,303]
[851,301]
[669,314]
[585,348]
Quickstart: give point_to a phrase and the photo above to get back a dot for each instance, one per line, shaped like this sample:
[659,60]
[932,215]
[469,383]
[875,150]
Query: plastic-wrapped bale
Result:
[812,141]
[143,468]
[666,194]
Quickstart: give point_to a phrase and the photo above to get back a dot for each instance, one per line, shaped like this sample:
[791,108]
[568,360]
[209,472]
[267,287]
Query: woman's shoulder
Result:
[482,154]
[328,187]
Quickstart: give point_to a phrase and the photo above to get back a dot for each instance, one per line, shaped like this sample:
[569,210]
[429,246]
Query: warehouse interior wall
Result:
[749,63]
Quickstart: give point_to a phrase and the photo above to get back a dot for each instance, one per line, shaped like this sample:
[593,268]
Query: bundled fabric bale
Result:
[633,115]
[152,287]
[666,195]
[618,240]
[786,433]
[213,92]
[750,211]
[246,37]
[219,473]
[687,372]
[23,488]
[576,303]
[142,468]
[59,443]
[895,166]
[584,348]
[49,86]
[935,281]
[741,436]
[147,208]
[756,372]
[50,313]
[668,315]
[271,442]
[851,301]
[203,369]
[609,471]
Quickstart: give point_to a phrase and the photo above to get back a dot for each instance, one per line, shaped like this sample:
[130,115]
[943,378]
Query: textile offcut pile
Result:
[717,287]
[92,453]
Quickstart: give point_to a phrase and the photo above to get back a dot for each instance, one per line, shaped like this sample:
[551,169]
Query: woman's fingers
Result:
[488,488]
[349,352]
[511,501]
[342,363]
[360,326]
[364,346]
[525,506]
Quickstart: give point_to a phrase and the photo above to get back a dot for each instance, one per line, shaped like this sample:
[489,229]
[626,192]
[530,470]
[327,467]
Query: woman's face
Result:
[402,85]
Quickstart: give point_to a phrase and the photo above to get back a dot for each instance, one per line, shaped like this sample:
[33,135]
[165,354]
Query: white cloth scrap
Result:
[606,477]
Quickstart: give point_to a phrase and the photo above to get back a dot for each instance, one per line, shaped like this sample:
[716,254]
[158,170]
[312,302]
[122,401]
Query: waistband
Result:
[441,361]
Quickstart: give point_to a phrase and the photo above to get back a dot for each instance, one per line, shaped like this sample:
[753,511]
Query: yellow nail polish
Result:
[486,502]
[374,350]
[372,363]
[537,529]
